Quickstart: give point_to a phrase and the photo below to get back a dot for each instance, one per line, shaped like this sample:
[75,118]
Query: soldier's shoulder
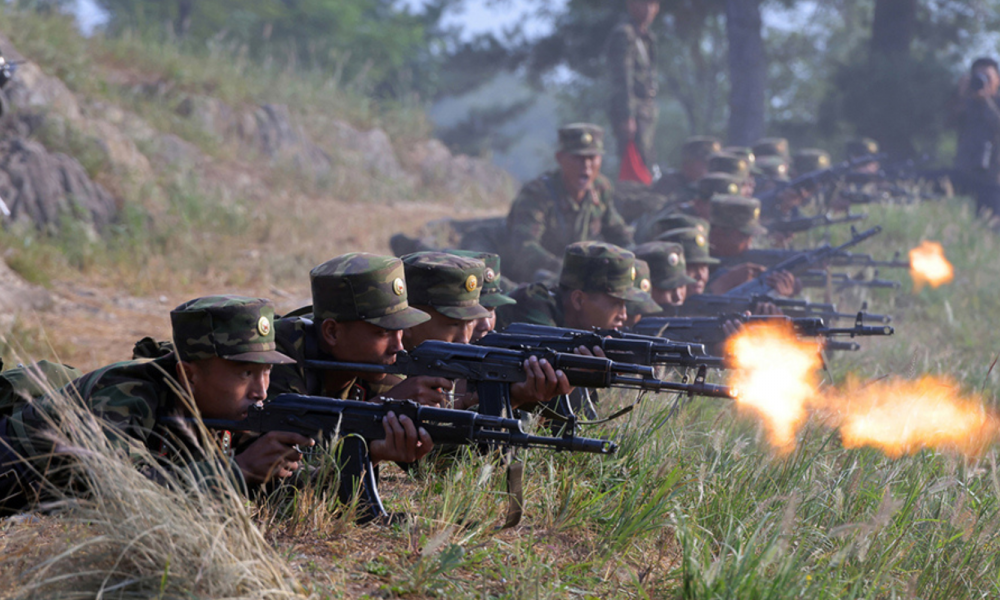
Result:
[604,186]
[536,303]
[538,190]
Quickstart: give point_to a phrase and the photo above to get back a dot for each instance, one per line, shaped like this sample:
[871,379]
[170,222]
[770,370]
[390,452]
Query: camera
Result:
[979,81]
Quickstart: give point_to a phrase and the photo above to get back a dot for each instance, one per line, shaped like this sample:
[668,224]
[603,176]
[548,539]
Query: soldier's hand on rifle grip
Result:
[595,351]
[784,283]
[543,383]
[403,441]
[767,308]
[274,454]
[427,391]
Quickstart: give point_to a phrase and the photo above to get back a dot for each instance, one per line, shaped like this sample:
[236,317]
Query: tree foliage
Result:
[374,44]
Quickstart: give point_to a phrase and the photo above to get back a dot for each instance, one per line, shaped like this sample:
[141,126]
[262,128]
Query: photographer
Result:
[977,118]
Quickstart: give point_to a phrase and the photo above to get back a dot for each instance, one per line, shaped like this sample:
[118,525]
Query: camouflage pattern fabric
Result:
[131,399]
[653,226]
[601,268]
[631,64]
[536,304]
[492,295]
[292,335]
[667,268]
[771,147]
[744,152]
[644,284]
[543,220]
[583,139]
[810,159]
[695,243]
[364,287]
[700,148]
[773,167]
[447,283]
[674,187]
[737,212]
[730,164]
[635,200]
[231,327]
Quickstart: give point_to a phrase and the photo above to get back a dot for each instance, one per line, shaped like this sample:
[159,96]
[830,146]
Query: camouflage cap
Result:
[737,212]
[447,283]
[861,147]
[492,295]
[585,139]
[773,167]
[810,159]
[643,284]
[683,221]
[363,287]
[700,148]
[723,162]
[771,147]
[717,183]
[668,269]
[600,267]
[695,245]
[744,152]
[230,327]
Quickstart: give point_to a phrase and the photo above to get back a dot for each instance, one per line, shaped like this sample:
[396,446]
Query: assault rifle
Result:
[719,304]
[710,330]
[617,345]
[768,257]
[800,224]
[800,263]
[815,179]
[493,370]
[359,423]
[843,281]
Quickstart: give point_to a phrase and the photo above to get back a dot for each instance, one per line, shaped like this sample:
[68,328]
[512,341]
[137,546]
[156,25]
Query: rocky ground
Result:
[305,187]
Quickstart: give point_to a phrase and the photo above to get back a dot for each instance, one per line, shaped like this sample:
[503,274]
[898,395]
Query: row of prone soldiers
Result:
[231,355]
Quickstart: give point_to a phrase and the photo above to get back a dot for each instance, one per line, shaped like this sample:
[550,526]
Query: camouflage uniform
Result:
[492,294]
[133,398]
[588,266]
[544,220]
[448,283]
[643,283]
[772,147]
[667,268]
[673,185]
[631,62]
[352,287]
[695,244]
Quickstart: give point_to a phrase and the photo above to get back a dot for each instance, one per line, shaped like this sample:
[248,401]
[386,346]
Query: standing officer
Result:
[631,63]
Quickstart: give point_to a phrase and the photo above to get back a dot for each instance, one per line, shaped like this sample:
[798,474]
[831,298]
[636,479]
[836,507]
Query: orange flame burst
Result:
[776,376]
[929,266]
[902,417]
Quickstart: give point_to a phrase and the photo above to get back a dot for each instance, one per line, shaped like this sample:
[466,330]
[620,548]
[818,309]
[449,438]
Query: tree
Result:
[747,71]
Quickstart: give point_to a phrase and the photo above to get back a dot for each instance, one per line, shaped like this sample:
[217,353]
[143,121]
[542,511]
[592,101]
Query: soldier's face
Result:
[643,12]
[725,241]
[362,342]
[578,171]
[441,328]
[700,275]
[674,297]
[596,309]
[484,326]
[226,389]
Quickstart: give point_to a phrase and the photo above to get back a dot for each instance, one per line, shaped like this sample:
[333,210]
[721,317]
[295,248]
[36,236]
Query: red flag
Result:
[633,167]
